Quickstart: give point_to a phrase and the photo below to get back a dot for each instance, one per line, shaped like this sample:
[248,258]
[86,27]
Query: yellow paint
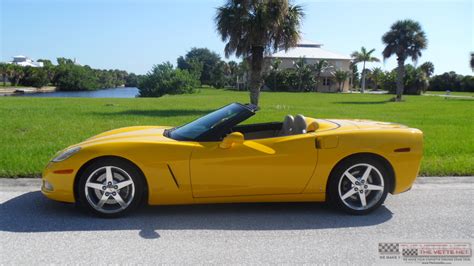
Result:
[288,168]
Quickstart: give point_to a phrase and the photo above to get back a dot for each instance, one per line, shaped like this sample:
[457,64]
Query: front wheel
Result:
[110,188]
[359,185]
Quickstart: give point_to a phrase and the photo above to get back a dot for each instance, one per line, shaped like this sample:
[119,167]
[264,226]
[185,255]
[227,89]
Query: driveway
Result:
[36,230]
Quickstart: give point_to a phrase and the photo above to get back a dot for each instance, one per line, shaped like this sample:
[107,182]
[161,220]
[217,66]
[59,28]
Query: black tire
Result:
[341,185]
[131,195]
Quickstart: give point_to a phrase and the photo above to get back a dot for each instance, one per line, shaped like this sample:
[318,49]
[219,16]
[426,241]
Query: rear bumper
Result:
[406,171]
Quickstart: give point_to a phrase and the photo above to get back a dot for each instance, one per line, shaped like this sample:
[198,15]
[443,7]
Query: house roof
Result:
[304,42]
[308,49]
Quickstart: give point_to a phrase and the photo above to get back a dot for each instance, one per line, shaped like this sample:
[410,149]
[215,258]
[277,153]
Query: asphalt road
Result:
[36,230]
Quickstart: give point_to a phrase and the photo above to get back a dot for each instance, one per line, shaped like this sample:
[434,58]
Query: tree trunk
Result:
[318,81]
[362,90]
[256,74]
[400,78]
[299,82]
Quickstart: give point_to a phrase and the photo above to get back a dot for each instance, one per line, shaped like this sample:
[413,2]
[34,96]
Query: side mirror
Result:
[231,139]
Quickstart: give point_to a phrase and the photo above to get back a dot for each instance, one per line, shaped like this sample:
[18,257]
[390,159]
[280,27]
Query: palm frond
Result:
[245,24]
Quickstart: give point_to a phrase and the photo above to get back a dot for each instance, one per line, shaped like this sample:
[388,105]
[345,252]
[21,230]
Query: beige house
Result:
[312,52]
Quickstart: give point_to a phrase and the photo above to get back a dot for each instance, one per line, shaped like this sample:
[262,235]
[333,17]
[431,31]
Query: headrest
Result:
[300,125]
[289,119]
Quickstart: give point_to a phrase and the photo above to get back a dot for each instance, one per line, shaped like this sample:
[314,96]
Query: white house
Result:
[22,60]
[312,52]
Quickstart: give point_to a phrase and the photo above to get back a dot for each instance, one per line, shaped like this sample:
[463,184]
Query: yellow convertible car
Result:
[353,164]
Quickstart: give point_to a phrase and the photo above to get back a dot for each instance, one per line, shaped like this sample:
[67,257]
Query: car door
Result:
[280,165]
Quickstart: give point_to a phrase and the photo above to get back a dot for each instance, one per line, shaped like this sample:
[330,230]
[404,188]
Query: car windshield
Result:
[200,126]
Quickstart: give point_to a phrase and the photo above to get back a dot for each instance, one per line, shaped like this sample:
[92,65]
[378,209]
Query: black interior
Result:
[259,131]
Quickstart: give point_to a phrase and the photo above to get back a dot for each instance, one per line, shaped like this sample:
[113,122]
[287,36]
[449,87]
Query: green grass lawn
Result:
[33,129]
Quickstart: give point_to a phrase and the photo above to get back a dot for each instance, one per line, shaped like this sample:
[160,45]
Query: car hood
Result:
[137,133]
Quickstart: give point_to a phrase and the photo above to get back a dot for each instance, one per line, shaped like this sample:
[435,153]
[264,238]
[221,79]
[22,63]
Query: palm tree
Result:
[428,68]
[363,56]
[341,76]
[4,72]
[15,73]
[233,66]
[300,67]
[275,68]
[405,39]
[376,75]
[250,27]
[422,81]
[318,68]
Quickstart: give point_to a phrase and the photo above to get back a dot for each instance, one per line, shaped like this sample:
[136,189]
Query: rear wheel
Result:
[359,185]
[110,187]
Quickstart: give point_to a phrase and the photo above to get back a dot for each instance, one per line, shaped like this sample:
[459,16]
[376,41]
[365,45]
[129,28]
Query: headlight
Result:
[66,154]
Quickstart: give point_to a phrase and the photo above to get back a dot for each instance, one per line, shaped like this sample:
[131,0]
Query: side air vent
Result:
[402,150]
[172,175]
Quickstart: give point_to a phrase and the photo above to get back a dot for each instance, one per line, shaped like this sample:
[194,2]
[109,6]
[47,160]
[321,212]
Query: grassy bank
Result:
[33,129]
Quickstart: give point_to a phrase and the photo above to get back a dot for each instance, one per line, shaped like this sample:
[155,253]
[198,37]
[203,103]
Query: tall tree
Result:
[416,80]
[354,74]
[250,27]
[405,39]
[49,68]
[376,76]
[17,73]
[363,56]
[428,68]
[301,68]
[341,76]
[318,68]
[4,72]
[233,67]
[205,60]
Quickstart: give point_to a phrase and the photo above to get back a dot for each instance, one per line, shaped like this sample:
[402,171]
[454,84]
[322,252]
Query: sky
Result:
[135,35]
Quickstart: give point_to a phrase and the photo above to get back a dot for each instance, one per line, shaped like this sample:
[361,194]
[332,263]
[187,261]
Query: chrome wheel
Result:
[109,189]
[361,186]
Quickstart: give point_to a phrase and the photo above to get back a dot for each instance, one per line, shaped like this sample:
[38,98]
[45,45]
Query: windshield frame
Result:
[220,130]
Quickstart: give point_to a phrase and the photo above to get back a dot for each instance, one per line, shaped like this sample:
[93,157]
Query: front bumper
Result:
[58,186]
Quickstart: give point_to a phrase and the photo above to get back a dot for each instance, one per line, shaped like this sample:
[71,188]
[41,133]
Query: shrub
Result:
[467,83]
[133,80]
[416,80]
[389,81]
[164,79]
[206,64]
[290,80]
[34,77]
[452,81]
[71,77]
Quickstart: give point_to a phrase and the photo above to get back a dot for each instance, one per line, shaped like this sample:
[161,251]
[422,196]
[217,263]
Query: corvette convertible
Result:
[352,164]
